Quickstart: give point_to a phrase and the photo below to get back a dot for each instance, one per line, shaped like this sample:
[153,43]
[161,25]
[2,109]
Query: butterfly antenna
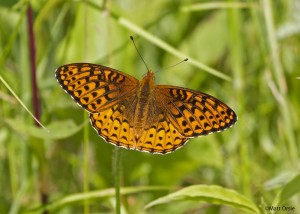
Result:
[186,59]
[131,37]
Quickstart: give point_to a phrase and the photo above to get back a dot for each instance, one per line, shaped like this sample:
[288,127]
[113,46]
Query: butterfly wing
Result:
[95,87]
[112,125]
[162,137]
[193,113]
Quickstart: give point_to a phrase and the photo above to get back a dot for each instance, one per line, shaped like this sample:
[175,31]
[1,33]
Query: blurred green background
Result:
[245,53]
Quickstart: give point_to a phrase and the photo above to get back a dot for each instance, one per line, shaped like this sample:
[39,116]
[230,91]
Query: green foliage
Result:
[246,53]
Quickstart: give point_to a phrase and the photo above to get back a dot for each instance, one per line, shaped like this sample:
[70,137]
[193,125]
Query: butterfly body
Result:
[144,105]
[140,115]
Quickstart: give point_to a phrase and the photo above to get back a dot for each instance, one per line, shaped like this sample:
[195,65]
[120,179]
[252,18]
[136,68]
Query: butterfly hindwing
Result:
[95,87]
[112,125]
[161,137]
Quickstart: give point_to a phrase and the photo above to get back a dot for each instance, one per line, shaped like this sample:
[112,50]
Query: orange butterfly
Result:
[140,115]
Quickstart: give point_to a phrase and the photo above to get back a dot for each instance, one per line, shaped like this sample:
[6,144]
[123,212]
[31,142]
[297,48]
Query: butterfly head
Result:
[148,79]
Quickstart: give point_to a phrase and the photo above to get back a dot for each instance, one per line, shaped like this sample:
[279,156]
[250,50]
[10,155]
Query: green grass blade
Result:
[214,5]
[57,129]
[95,194]
[289,190]
[209,194]
[22,104]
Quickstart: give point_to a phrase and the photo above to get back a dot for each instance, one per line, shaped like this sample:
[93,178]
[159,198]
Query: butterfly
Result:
[141,115]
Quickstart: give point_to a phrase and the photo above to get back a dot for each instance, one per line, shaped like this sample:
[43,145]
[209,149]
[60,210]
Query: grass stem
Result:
[117,173]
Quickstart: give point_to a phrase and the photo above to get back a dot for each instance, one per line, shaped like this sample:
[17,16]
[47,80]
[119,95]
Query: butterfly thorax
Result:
[145,97]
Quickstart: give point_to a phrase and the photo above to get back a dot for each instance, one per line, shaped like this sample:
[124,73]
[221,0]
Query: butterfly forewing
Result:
[194,113]
[95,87]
